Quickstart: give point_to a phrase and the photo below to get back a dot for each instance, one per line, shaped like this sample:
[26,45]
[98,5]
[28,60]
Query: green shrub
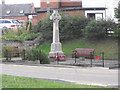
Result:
[70,27]
[117,31]
[36,54]
[7,52]
[20,35]
[99,29]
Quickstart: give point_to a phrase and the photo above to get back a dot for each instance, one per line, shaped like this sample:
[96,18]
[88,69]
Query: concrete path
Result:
[79,75]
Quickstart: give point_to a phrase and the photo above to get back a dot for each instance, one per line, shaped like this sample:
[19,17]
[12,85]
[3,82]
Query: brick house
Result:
[22,12]
[16,11]
[67,7]
[64,6]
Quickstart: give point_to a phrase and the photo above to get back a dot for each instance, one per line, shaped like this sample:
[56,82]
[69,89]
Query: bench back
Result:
[82,52]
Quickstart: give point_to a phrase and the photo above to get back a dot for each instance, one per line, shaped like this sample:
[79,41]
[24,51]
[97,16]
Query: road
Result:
[79,75]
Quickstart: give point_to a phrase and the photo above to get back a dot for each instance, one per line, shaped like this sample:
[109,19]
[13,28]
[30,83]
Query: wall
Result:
[109,4]
[71,3]
[40,16]
[54,4]
[72,13]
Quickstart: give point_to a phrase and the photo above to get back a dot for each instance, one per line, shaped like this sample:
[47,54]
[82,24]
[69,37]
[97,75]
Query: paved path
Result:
[90,76]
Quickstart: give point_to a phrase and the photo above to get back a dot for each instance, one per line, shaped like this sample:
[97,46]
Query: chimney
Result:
[43,4]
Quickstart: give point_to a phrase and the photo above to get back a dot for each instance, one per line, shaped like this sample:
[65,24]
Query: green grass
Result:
[23,82]
[0,82]
[108,46]
[23,35]
[45,47]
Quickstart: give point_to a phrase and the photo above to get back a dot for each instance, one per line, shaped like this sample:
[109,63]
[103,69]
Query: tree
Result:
[95,29]
[117,11]
[117,15]
[99,29]
[70,27]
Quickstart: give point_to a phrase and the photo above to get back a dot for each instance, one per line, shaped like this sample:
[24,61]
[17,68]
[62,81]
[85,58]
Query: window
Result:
[1,21]
[8,12]
[21,11]
[15,21]
[5,21]
[91,15]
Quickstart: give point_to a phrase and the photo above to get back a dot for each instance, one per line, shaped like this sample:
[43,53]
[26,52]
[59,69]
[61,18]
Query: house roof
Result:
[71,9]
[15,10]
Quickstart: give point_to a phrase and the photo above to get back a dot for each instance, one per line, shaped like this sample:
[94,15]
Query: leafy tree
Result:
[117,11]
[70,27]
[95,29]
[99,29]
[117,14]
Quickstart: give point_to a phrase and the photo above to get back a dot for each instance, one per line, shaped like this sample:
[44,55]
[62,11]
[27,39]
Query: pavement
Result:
[70,62]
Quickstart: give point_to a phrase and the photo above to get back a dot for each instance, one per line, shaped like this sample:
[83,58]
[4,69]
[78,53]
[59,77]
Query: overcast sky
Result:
[36,2]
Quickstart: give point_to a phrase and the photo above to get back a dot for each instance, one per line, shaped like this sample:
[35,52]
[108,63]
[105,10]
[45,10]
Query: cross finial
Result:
[55,16]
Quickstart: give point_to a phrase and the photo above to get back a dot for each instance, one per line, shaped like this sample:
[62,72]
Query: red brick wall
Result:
[54,4]
[72,13]
[43,4]
[71,3]
[39,17]
[35,20]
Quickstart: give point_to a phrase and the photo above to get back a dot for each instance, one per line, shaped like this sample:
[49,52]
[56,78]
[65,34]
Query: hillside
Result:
[108,46]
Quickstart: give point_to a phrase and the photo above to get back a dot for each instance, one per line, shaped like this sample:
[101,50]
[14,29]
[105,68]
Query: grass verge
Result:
[108,46]
[23,82]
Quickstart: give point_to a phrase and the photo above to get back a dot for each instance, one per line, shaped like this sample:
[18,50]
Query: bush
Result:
[117,31]
[7,52]
[36,54]
[95,29]
[98,29]
[70,27]
[20,35]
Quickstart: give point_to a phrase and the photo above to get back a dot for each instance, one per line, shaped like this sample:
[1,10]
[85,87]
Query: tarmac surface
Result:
[80,72]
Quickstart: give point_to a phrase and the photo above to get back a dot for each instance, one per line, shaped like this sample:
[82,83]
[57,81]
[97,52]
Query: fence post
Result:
[57,59]
[103,59]
[6,54]
[91,59]
[24,54]
[75,57]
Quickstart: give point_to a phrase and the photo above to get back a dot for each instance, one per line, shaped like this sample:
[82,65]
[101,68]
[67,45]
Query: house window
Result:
[21,11]
[91,15]
[8,12]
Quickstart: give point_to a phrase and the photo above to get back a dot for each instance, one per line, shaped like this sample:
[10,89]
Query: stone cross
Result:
[56,47]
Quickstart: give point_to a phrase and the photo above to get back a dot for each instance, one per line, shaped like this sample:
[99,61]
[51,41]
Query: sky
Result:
[36,2]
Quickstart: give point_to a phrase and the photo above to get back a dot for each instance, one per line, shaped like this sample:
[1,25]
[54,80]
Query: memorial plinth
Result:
[56,47]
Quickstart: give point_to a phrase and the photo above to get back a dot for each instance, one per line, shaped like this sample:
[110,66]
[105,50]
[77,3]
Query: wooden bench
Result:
[82,52]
